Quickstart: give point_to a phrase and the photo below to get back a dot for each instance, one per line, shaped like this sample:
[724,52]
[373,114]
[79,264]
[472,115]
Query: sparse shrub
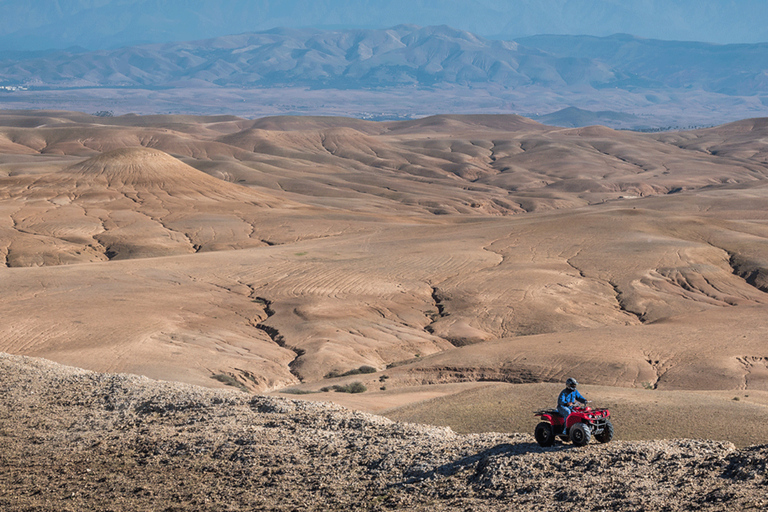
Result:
[649,386]
[383,378]
[383,388]
[229,381]
[354,387]
[294,391]
[357,371]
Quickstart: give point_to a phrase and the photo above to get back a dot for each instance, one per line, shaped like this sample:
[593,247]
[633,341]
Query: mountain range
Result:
[405,55]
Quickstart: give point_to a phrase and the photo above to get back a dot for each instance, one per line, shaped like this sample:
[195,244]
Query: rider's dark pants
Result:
[564,412]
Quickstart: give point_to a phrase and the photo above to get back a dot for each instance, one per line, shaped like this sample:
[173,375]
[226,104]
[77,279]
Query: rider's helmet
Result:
[571,383]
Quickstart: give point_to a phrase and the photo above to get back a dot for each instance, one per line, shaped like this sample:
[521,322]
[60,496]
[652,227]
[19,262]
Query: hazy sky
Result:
[95,24]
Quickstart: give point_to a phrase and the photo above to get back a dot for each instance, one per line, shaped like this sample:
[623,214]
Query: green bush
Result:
[354,387]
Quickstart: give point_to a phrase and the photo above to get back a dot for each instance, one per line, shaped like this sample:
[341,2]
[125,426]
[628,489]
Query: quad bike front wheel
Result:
[544,434]
[607,434]
[580,434]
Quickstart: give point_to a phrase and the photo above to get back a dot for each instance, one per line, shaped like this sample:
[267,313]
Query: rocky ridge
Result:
[72,439]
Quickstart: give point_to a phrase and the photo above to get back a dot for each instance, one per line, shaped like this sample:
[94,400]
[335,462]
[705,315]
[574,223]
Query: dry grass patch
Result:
[636,413]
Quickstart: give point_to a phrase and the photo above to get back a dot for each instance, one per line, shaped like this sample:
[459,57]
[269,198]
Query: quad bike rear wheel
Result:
[607,434]
[544,434]
[580,434]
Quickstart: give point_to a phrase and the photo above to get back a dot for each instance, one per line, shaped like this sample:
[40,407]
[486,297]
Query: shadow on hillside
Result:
[421,472]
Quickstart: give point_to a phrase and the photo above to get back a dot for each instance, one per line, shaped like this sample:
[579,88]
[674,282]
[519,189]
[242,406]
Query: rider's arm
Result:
[580,398]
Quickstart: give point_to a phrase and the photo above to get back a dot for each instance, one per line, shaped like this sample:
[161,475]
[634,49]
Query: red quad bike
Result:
[583,423]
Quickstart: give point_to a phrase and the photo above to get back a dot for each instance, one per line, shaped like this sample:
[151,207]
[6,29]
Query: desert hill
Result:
[476,165]
[279,253]
[148,168]
[122,442]
[129,201]
[573,117]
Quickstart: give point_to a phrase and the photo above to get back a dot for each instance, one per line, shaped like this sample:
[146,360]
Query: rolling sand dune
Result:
[441,252]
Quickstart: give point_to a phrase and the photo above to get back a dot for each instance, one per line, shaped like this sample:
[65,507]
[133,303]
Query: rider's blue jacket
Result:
[567,396]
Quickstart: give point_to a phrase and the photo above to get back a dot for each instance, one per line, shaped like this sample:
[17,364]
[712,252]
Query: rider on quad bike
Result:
[573,423]
[567,399]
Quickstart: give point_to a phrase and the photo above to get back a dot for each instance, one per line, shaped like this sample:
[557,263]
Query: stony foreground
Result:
[77,440]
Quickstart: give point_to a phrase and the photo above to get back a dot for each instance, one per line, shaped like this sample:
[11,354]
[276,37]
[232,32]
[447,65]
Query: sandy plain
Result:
[474,261]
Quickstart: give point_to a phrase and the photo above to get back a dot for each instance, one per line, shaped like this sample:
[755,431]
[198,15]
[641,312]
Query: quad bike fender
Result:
[554,419]
[572,420]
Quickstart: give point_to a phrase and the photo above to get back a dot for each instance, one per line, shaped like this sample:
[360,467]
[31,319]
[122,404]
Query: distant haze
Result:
[621,81]
[101,24]
[406,55]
